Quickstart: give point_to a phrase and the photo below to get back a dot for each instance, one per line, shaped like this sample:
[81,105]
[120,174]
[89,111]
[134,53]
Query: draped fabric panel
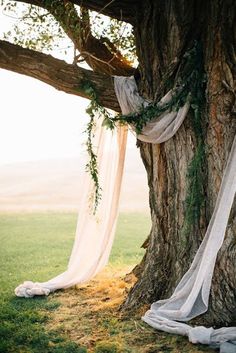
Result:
[95,233]
[191,296]
[158,130]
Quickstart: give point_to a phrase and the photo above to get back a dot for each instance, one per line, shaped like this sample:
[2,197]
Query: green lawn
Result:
[37,247]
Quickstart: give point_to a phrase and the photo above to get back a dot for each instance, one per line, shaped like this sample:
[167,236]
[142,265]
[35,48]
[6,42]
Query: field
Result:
[86,319]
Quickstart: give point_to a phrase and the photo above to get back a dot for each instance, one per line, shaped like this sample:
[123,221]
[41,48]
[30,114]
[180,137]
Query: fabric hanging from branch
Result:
[95,233]
[157,130]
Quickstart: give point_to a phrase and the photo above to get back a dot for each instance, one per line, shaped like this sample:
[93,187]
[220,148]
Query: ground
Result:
[90,315]
[84,319]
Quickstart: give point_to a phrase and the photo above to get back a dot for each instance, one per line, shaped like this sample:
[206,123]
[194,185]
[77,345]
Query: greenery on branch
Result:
[33,28]
[152,111]
[186,85]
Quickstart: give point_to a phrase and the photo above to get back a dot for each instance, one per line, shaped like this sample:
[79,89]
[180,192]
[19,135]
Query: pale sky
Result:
[37,121]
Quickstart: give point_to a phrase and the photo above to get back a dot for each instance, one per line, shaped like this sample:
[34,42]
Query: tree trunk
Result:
[164,31]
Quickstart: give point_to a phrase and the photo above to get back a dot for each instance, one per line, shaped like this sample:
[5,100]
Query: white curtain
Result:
[95,233]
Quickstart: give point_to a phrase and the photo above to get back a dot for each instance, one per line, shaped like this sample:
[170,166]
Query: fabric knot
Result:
[200,334]
[29,289]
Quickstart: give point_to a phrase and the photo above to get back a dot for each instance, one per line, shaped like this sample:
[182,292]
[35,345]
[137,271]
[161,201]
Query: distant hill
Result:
[55,185]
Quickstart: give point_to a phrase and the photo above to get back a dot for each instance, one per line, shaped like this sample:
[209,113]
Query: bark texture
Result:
[57,73]
[165,29]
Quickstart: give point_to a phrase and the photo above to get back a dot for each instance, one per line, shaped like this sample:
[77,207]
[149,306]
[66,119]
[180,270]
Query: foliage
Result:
[95,110]
[34,28]
[92,166]
[196,171]
[118,32]
[154,110]
[195,192]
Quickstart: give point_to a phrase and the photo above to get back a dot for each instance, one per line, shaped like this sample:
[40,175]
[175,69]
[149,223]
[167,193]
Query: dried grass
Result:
[89,315]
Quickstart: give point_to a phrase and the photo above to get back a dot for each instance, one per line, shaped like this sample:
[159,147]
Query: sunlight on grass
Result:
[82,319]
[37,247]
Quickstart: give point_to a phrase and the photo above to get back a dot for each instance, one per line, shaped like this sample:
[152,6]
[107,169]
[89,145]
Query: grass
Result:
[79,320]
[37,246]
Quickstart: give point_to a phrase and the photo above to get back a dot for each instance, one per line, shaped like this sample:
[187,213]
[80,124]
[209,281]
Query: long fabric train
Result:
[94,235]
[191,296]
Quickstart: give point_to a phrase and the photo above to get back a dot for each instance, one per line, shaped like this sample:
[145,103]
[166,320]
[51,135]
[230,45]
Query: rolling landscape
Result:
[54,185]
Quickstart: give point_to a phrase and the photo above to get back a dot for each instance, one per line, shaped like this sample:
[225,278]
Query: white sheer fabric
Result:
[158,130]
[191,296]
[94,234]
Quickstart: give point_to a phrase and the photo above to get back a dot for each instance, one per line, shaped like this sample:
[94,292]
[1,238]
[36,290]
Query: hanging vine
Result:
[95,111]
[196,172]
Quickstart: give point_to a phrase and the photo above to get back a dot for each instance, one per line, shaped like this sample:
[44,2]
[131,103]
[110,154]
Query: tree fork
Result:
[92,49]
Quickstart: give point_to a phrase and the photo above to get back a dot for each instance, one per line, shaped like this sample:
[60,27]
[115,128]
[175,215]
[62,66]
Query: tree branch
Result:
[97,56]
[123,10]
[57,73]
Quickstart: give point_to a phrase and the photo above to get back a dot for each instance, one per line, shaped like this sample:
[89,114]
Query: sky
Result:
[38,122]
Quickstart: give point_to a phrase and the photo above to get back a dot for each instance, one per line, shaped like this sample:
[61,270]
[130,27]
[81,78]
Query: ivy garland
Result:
[189,83]
[95,109]
[196,173]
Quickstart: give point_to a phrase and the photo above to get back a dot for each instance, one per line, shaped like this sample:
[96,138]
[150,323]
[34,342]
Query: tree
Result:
[184,174]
